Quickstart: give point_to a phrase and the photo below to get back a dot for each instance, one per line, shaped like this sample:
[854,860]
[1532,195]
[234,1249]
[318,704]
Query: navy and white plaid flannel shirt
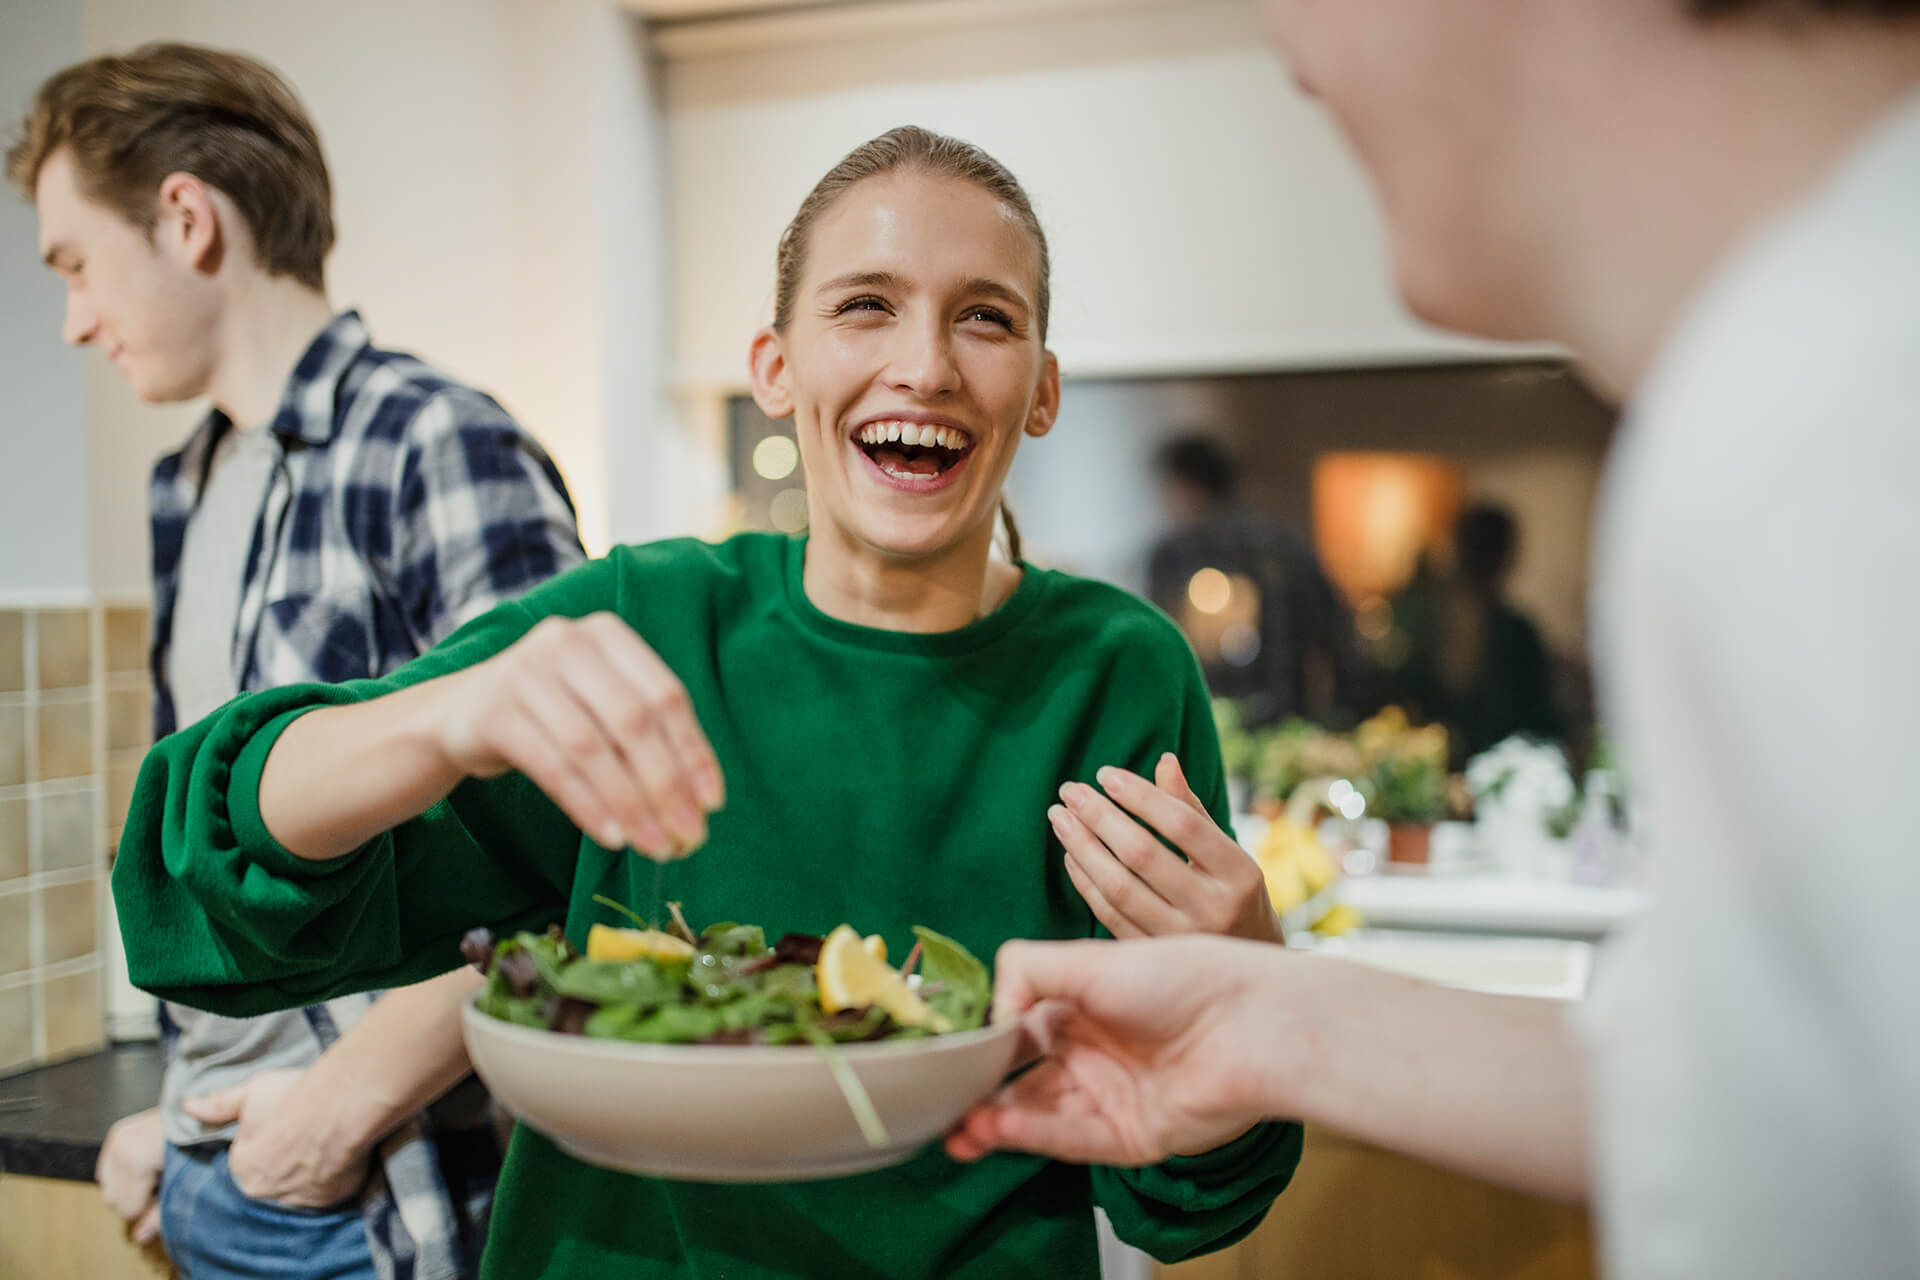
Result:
[402,504]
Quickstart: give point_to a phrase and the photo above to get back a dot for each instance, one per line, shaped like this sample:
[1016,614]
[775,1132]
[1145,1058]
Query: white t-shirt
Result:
[213,570]
[213,1051]
[1756,1036]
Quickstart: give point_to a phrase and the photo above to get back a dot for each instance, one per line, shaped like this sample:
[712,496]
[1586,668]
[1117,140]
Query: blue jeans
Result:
[215,1231]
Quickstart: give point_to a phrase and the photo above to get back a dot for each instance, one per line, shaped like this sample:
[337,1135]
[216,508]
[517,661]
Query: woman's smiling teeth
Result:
[911,433]
[911,451]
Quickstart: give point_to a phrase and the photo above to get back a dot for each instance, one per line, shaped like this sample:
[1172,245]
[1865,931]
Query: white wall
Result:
[664,469]
[43,442]
[1204,215]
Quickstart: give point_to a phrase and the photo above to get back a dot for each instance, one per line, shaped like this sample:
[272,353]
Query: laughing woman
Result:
[906,729]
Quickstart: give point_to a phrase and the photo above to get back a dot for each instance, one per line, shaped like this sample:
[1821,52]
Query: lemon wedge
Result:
[852,976]
[604,942]
[876,946]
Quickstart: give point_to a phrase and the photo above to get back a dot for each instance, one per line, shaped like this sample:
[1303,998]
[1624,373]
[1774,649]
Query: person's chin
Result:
[1442,292]
[910,540]
[158,391]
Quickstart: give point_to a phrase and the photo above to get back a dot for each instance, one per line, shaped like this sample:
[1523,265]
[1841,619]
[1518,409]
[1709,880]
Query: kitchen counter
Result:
[54,1118]
[1489,904]
[1552,968]
[1463,900]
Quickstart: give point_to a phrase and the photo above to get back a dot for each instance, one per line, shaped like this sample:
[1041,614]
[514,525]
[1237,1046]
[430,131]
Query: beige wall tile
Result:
[76,1022]
[66,830]
[13,746]
[121,775]
[67,924]
[128,629]
[64,648]
[16,1027]
[13,838]
[13,651]
[66,739]
[129,719]
[14,936]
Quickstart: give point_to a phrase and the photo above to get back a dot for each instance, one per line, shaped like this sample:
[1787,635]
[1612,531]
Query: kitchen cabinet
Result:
[1356,1212]
[58,1227]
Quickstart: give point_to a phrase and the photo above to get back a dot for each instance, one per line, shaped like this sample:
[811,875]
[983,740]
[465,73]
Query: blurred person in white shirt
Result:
[1716,203]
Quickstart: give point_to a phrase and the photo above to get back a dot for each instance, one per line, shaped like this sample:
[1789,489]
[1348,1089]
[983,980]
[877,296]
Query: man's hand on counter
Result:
[129,1172]
[291,1148]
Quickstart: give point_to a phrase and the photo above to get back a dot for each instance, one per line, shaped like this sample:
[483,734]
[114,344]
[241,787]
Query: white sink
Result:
[1549,967]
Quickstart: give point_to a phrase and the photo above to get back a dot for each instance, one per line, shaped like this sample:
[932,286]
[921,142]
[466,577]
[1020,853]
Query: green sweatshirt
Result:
[878,778]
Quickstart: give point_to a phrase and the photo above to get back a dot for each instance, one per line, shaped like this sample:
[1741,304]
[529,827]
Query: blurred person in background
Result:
[1462,655]
[1714,202]
[339,509]
[1274,638]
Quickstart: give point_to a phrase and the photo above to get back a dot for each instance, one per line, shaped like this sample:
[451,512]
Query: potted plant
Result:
[1403,774]
[1295,752]
[1525,804]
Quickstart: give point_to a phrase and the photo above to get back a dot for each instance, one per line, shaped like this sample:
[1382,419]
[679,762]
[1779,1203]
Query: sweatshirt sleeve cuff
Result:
[243,808]
[1193,1181]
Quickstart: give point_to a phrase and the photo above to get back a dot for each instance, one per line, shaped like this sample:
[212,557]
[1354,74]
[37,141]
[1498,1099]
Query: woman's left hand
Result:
[1135,884]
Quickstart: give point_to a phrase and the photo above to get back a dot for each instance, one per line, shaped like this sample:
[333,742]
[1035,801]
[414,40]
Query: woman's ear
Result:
[1046,401]
[767,368]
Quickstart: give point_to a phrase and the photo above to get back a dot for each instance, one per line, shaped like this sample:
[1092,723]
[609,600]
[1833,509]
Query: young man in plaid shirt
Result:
[339,510]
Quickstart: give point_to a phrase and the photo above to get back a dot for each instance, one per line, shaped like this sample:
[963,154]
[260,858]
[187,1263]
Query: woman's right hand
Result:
[588,712]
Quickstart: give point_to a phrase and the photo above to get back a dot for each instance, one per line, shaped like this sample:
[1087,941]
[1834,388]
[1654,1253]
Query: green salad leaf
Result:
[954,982]
[517,1010]
[620,982]
[738,940]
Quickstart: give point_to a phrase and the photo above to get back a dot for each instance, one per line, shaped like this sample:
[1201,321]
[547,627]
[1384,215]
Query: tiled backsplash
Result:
[74,722]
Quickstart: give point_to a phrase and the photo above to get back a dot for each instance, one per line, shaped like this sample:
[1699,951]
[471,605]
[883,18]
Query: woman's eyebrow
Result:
[986,286]
[863,280]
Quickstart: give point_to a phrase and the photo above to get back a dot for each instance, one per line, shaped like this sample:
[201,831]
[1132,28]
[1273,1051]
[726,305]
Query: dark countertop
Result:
[53,1119]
